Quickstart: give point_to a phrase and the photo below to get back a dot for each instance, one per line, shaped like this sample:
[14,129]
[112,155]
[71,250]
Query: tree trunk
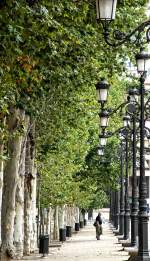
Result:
[15,123]
[18,226]
[73,216]
[51,223]
[48,222]
[42,230]
[28,188]
[81,218]
[56,227]
[61,217]
[34,213]
[1,182]
[69,216]
[77,215]
[19,218]
[38,208]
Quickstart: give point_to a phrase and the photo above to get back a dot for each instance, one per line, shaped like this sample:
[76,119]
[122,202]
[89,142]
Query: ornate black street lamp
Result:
[116,218]
[134,204]
[122,212]
[134,109]
[102,90]
[126,120]
[113,206]
[116,204]
[114,209]
[106,14]
[143,253]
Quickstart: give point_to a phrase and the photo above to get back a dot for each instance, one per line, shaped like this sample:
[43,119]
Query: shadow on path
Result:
[84,246]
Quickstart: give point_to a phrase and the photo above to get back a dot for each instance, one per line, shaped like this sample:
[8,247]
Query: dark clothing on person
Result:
[99,220]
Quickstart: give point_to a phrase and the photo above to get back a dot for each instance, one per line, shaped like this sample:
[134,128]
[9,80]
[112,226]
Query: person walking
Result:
[98,225]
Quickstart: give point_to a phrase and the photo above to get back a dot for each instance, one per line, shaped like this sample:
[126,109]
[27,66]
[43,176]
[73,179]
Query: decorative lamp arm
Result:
[122,37]
[110,134]
[120,107]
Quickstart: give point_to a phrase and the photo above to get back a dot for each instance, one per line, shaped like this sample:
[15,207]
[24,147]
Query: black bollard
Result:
[44,244]
[85,222]
[77,226]
[81,224]
[62,234]
[68,231]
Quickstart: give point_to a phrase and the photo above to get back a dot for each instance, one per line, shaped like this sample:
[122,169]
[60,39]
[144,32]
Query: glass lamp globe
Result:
[126,121]
[146,143]
[102,90]
[104,118]
[142,61]
[147,83]
[134,94]
[100,151]
[121,137]
[103,140]
[106,9]
[147,124]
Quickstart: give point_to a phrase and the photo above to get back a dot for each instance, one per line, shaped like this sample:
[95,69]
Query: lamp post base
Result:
[139,258]
[126,225]
[121,228]
[134,228]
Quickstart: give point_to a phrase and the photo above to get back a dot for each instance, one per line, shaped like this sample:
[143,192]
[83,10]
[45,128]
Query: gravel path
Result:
[83,246]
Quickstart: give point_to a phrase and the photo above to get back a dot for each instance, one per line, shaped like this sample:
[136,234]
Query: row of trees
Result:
[52,54]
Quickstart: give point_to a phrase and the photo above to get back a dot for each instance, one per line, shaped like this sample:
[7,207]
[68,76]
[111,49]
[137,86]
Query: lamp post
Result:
[39,207]
[121,216]
[126,120]
[112,207]
[106,7]
[102,91]
[134,204]
[134,109]
[116,221]
[143,253]
[106,10]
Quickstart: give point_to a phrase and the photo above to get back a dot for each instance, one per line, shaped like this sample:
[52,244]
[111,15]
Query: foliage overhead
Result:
[52,54]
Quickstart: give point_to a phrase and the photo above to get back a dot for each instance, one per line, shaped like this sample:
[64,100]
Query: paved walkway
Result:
[84,246]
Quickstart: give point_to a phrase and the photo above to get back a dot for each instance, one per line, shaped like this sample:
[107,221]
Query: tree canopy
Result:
[52,55]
